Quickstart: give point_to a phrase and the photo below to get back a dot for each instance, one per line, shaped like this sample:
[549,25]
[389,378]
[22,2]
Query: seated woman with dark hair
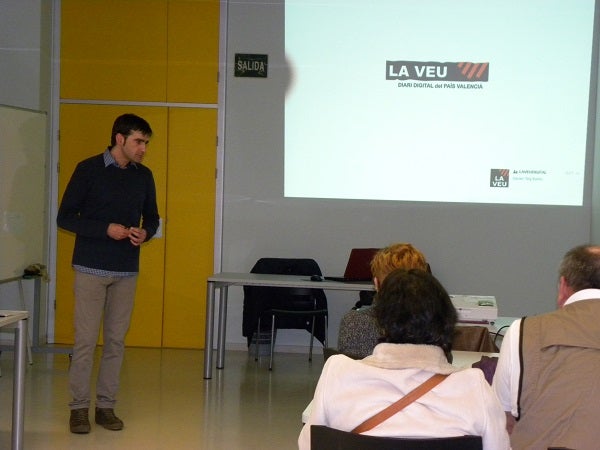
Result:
[417,320]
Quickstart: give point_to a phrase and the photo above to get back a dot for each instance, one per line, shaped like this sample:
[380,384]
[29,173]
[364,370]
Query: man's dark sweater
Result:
[97,196]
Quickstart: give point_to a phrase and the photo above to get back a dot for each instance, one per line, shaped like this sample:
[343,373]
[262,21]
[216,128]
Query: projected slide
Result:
[469,101]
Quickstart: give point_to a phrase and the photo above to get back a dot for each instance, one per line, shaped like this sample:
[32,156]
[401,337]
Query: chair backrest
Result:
[325,438]
[287,266]
[473,338]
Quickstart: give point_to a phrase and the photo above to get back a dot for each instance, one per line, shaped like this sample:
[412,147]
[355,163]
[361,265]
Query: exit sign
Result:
[251,65]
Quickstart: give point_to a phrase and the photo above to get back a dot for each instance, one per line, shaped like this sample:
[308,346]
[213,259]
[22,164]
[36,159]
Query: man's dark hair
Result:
[412,307]
[581,267]
[127,124]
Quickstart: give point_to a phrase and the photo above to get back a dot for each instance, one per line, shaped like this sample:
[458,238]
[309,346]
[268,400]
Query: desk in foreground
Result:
[459,359]
[223,280]
[18,318]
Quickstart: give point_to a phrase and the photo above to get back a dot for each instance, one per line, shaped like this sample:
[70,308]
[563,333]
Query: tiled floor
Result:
[166,404]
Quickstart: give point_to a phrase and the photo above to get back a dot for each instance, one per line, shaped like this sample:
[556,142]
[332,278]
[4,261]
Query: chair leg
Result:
[312,338]
[312,335]
[326,320]
[256,338]
[272,341]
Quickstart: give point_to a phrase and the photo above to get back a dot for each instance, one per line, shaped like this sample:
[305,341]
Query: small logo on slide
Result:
[499,178]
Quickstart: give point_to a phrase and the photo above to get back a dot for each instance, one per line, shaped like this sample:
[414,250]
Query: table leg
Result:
[222,328]
[19,385]
[209,329]
[37,282]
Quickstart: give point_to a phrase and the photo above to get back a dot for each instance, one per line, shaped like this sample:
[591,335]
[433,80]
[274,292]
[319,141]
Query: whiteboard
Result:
[22,189]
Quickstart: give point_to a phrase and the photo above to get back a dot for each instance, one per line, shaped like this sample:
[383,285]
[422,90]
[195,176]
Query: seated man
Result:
[359,332]
[547,374]
[417,319]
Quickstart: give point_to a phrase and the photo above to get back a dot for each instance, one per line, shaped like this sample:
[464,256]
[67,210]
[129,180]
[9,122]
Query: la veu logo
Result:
[499,178]
[436,71]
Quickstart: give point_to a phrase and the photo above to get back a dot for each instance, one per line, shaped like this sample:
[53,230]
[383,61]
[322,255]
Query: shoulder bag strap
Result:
[400,404]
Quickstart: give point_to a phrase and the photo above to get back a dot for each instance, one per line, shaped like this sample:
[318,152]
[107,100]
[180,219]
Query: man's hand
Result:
[137,236]
[117,231]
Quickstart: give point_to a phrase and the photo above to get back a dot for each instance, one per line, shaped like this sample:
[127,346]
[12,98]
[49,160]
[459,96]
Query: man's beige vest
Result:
[559,400]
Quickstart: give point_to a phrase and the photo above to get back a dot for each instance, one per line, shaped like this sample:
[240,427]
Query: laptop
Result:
[358,267]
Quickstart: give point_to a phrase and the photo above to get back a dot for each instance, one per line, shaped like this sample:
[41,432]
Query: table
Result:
[35,344]
[223,280]
[459,359]
[18,318]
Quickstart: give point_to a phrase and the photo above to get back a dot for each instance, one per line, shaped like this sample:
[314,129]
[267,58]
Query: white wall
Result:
[511,252]
[25,62]
[21,53]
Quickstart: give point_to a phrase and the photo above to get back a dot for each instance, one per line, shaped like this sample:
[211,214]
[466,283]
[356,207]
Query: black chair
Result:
[284,308]
[302,304]
[325,438]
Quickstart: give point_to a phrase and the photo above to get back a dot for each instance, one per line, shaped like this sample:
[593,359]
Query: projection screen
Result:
[357,137]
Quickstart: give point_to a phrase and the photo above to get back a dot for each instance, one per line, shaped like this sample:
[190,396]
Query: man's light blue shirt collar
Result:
[110,160]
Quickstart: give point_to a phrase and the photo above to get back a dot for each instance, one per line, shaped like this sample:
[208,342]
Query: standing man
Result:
[110,204]
[547,378]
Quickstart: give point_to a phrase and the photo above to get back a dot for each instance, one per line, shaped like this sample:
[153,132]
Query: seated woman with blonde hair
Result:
[417,320]
[359,332]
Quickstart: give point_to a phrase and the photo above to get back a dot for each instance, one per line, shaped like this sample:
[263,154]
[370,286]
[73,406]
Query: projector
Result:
[475,308]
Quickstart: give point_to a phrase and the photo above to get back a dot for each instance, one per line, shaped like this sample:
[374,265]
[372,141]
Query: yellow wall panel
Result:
[114,49]
[85,131]
[147,51]
[193,55]
[190,224]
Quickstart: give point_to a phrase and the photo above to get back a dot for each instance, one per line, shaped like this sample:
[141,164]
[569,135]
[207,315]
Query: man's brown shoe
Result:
[79,422]
[106,417]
